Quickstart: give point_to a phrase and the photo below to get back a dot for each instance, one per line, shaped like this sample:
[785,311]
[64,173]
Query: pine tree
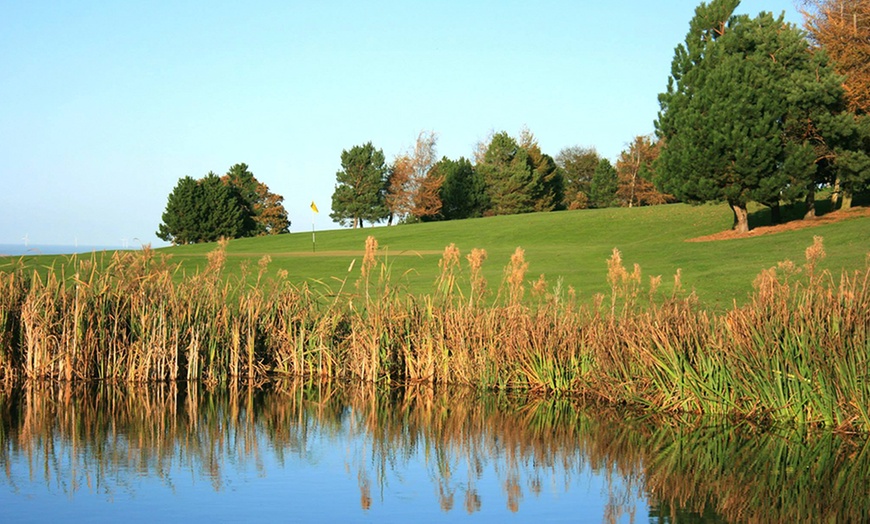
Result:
[462,192]
[602,188]
[736,87]
[360,187]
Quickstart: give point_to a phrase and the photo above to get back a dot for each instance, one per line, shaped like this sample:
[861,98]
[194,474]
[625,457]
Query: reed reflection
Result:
[100,437]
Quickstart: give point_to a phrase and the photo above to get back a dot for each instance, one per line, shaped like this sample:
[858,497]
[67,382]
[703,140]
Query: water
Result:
[350,453]
[40,249]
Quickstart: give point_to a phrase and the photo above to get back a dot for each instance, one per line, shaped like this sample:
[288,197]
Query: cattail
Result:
[368,262]
[516,273]
[478,283]
[449,265]
[539,288]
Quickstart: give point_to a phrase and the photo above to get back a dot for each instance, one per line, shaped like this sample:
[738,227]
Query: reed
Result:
[796,352]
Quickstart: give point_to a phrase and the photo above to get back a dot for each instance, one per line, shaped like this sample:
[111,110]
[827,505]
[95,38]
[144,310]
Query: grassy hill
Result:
[571,245]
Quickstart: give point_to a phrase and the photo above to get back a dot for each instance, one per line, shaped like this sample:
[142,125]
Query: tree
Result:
[548,180]
[841,30]
[507,170]
[602,188]
[360,187]
[411,191]
[578,166]
[201,210]
[180,223]
[734,87]
[265,213]
[462,192]
[222,213]
[635,172]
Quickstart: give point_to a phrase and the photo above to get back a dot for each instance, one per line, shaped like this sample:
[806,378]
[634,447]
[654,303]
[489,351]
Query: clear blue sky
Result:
[106,104]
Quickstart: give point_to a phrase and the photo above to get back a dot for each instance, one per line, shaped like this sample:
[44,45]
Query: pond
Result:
[327,452]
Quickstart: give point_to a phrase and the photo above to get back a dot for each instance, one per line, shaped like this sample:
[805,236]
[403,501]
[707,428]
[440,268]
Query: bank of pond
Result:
[796,353]
[327,451]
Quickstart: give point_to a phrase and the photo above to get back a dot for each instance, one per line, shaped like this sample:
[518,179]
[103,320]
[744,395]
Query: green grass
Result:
[571,245]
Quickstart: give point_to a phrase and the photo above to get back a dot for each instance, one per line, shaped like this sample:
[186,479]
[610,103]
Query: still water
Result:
[324,452]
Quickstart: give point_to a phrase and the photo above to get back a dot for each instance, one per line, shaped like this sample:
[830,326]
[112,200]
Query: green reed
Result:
[798,351]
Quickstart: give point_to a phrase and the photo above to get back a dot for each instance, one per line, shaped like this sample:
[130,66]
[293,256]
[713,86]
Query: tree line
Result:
[506,175]
[755,110]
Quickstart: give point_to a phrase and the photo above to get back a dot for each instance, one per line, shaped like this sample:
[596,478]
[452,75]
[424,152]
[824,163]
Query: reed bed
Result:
[797,352]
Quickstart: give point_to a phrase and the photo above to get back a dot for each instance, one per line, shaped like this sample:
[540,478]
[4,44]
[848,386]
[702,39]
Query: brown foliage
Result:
[842,29]
[413,188]
[635,171]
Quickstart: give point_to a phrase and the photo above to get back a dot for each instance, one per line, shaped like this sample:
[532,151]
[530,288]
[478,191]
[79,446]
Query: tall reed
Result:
[797,352]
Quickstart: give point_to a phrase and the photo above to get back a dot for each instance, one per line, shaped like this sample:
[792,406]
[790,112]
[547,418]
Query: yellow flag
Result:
[313,207]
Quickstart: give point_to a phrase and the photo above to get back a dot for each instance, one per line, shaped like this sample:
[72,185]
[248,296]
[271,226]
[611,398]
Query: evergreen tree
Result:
[180,223]
[734,88]
[602,189]
[222,212]
[264,210]
[462,192]
[360,187]
[507,171]
[202,210]
[549,185]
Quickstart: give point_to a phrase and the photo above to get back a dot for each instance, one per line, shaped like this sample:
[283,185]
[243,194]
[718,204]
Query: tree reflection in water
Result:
[96,437]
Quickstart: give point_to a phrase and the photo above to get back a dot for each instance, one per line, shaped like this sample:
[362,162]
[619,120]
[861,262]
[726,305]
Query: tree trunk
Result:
[811,205]
[847,200]
[741,217]
[835,194]
[775,213]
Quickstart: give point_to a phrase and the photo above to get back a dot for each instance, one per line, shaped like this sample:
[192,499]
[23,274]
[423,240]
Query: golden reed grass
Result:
[797,351]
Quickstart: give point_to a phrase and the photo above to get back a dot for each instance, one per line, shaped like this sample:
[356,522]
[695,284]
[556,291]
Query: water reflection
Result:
[401,447]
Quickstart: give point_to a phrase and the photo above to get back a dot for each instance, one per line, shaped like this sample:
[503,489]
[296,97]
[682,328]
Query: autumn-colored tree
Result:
[634,169]
[412,188]
[232,206]
[842,29]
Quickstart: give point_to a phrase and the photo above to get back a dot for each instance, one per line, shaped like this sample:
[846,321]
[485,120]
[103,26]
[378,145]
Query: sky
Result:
[105,105]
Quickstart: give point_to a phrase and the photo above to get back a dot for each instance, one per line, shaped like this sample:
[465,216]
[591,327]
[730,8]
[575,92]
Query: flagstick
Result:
[313,239]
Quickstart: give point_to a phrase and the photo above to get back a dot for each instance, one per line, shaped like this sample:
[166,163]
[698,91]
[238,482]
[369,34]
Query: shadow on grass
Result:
[795,211]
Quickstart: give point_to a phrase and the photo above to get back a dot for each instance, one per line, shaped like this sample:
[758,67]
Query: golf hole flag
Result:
[314,207]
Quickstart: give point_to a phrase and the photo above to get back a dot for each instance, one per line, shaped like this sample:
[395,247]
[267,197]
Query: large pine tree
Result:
[360,187]
[736,88]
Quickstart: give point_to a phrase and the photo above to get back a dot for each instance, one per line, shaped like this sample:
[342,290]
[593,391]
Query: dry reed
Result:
[798,351]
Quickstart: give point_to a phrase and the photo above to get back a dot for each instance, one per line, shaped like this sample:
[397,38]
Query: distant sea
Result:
[34,249]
